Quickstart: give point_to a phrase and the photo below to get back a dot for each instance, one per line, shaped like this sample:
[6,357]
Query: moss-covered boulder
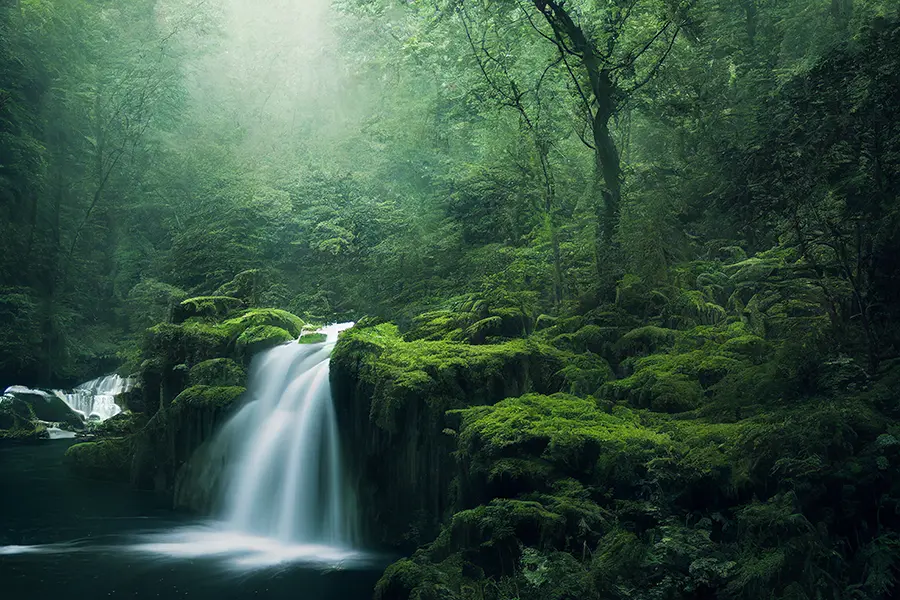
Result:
[313,338]
[105,460]
[219,372]
[272,317]
[121,425]
[392,396]
[171,351]
[258,338]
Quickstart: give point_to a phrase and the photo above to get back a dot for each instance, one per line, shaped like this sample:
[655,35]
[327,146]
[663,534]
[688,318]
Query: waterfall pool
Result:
[64,536]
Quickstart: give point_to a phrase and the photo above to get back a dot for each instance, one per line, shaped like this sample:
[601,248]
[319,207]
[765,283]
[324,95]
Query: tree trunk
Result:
[608,170]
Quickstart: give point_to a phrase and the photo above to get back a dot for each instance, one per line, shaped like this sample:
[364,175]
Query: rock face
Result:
[171,437]
[391,398]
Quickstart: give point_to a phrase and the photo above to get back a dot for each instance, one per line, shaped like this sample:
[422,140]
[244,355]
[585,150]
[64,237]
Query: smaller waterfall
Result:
[96,399]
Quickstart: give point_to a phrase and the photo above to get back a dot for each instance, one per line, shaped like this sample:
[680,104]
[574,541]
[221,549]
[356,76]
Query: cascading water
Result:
[96,399]
[281,494]
[286,479]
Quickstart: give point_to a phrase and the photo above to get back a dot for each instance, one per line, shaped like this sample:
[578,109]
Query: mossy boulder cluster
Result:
[191,374]
[699,440]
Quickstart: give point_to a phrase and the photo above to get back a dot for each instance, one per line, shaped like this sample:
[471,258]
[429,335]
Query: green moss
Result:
[439,325]
[218,371]
[443,374]
[262,337]
[479,332]
[313,338]
[410,580]
[694,307]
[120,425]
[569,432]
[504,524]
[585,373]
[272,317]
[202,396]
[188,343]
[751,347]
[544,322]
[107,459]
[207,307]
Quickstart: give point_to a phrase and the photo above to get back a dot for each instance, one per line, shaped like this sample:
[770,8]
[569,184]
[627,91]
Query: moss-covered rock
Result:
[219,372]
[647,340]
[258,338]
[120,425]
[107,459]
[272,317]
[313,338]
[573,437]
[201,397]
[171,351]
[392,395]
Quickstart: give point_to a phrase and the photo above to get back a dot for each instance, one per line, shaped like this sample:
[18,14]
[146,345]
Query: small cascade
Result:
[96,399]
[285,478]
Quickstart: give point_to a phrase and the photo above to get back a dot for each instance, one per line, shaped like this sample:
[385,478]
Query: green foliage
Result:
[313,338]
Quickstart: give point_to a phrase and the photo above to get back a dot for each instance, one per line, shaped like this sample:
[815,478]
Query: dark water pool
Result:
[64,536]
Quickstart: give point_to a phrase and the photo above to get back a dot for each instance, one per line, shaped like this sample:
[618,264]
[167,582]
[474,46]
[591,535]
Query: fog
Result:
[270,73]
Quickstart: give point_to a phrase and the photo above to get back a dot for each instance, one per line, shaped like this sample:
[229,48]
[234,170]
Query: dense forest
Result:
[626,273]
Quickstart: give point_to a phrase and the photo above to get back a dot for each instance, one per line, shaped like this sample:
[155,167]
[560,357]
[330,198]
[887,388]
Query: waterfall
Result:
[284,479]
[96,399]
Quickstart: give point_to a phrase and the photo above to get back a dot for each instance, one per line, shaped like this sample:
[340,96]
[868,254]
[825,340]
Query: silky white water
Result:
[285,482]
[282,496]
[96,399]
